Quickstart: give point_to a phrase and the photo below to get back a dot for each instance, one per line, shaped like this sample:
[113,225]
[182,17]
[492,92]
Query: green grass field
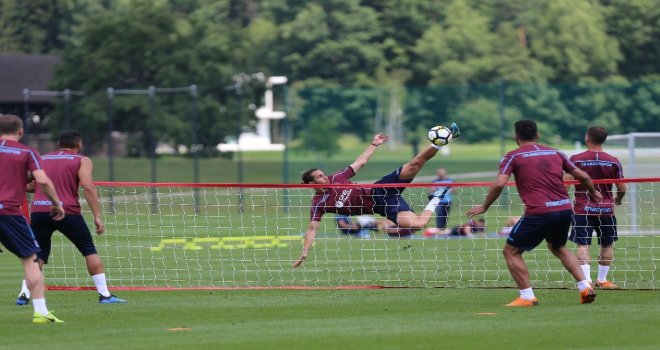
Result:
[331,319]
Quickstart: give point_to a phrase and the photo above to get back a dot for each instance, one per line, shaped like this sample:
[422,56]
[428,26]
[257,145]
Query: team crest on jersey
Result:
[342,198]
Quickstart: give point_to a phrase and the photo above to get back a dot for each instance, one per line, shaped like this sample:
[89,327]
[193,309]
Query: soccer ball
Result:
[439,135]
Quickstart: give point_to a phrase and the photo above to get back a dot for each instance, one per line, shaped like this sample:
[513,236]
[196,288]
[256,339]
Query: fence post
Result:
[111,151]
[67,112]
[26,116]
[194,147]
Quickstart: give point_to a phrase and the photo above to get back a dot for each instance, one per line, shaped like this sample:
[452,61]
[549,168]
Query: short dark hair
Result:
[307,175]
[10,124]
[526,130]
[69,139]
[597,134]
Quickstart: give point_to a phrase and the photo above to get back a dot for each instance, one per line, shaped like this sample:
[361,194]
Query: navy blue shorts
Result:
[72,226]
[16,236]
[388,200]
[584,226]
[531,230]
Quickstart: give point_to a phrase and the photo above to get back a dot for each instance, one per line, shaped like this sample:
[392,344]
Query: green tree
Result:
[636,26]
[570,36]
[132,46]
[331,40]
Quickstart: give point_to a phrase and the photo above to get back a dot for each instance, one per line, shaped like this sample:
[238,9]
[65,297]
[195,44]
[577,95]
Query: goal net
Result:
[236,236]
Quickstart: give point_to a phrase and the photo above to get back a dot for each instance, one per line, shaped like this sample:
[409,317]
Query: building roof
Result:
[18,72]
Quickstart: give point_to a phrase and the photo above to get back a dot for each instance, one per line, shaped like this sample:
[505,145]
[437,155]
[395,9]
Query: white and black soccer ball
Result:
[439,135]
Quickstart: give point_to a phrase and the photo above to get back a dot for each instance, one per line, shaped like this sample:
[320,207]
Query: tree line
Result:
[351,63]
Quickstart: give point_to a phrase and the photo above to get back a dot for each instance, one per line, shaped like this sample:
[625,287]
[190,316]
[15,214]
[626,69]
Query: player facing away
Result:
[16,160]
[70,170]
[599,216]
[538,170]
[386,201]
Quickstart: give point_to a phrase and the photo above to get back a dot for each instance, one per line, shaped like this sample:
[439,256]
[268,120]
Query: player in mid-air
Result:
[589,215]
[386,201]
[70,170]
[15,234]
[539,172]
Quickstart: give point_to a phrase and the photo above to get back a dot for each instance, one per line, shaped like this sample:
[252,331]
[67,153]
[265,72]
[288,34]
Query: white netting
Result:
[216,236]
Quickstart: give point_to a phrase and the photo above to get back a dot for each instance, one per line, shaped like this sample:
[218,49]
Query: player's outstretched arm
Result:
[585,180]
[47,187]
[493,193]
[363,158]
[89,191]
[309,240]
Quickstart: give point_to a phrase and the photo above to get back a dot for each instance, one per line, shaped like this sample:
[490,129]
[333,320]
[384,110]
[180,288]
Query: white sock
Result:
[602,272]
[584,284]
[24,290]
[586,268]
[40,306]
[527,294]
[101,285]
[436,146]
[432,204]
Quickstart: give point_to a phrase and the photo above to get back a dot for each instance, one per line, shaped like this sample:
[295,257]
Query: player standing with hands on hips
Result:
[539,171]
[16,161]
[589,215]
[386,201]
[70,170]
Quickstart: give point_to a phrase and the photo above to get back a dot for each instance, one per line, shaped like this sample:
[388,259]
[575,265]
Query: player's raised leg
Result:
[408,219]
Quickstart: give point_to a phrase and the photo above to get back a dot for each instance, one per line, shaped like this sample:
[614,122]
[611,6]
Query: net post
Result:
[111,156]
[152,147]
[194,147]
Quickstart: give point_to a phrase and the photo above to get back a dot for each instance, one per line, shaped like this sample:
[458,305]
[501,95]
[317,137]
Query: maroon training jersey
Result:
[62,168]
[15,161]
[599,165]
[344,201]
[539,172]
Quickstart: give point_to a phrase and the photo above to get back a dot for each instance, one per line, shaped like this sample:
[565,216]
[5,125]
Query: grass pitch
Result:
[407,318]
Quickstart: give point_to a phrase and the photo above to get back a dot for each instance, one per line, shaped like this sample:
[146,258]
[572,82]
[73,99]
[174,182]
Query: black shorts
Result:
[531,230]
[16,236]
[388,201]
[72,226]
[584,226]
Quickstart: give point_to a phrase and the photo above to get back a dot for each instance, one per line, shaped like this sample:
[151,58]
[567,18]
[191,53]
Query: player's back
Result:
[598,165]
[539,171]
[16,160]
[62,167]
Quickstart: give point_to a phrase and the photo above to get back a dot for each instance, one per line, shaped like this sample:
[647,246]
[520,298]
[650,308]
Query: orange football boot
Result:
[523,302]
